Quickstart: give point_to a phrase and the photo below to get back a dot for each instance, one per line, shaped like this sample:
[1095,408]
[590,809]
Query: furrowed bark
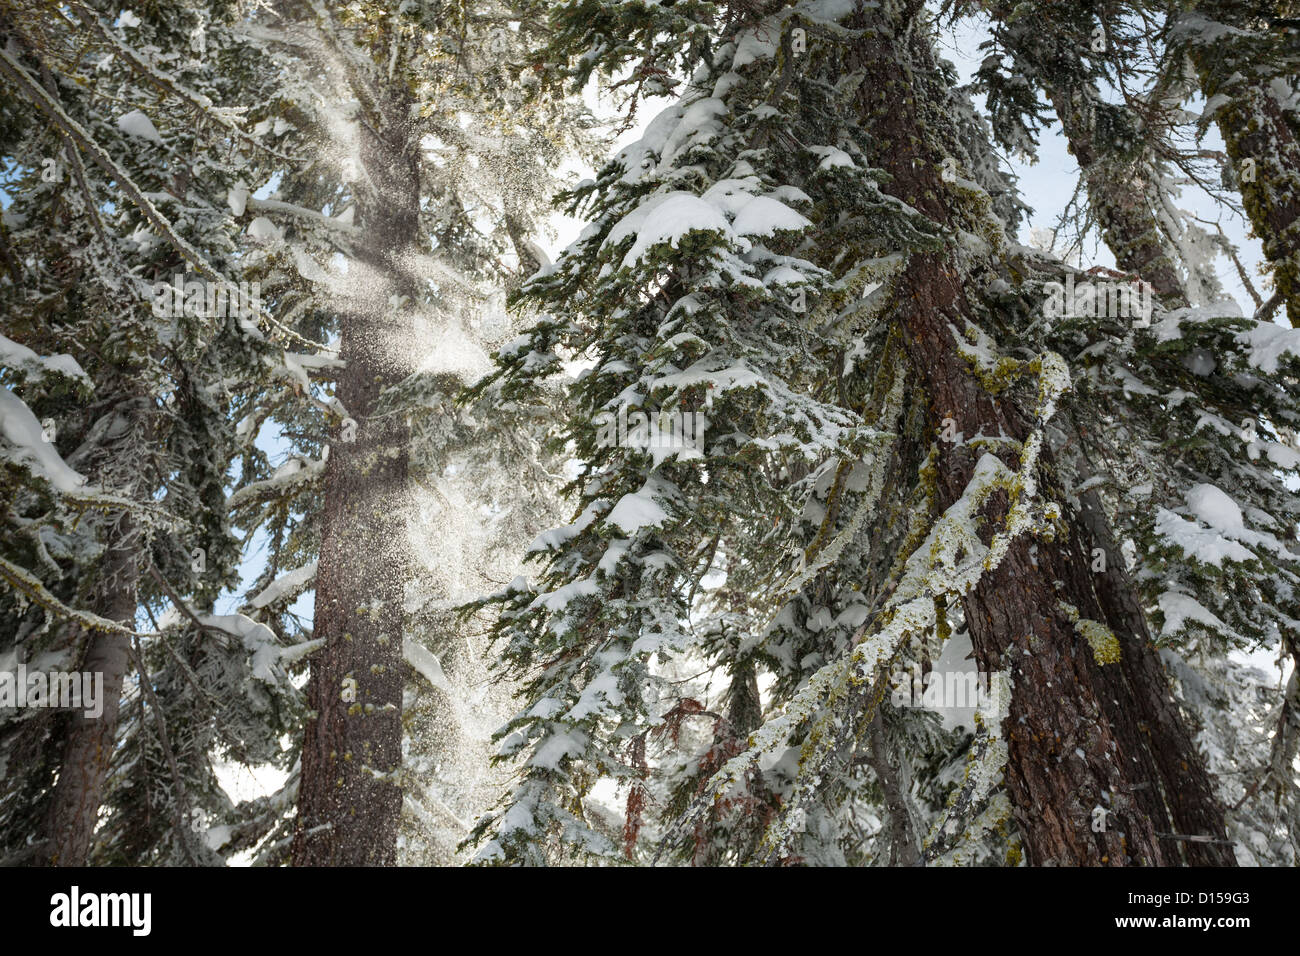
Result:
[1187,797]
[1081,733]
[349,799]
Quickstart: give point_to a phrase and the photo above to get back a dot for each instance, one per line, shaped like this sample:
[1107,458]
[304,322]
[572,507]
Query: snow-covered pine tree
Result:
[485,481]
[814,137]
[120,182]
[664,290]
[777,258]
[1067,55]
[433,100]
[227,682]
[1179,436]
[1187,381]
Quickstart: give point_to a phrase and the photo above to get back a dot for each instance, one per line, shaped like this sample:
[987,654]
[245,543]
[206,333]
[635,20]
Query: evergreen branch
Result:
[169,84]
[27,584]
[39,98]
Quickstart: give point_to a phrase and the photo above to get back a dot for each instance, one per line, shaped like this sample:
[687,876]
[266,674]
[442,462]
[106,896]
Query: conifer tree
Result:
[809,429]
[905,455]
[1229,731]
[428,176]
[1066,55]
[119,190]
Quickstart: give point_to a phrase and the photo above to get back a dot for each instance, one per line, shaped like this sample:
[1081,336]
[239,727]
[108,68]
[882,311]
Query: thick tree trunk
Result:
[88,747]
[349,798]
[1187,796]
[1079,731]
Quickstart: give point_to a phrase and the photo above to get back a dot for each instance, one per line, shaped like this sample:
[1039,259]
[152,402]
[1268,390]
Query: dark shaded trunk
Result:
[1082,733]
[88,745]
[895,782]
[349,798]
[1188,797]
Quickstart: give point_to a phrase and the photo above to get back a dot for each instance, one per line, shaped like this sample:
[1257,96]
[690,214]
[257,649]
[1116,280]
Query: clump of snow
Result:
[1178,609]
[28,446]
[555,747]
[136,124]
[1269,344]
[754,44]
[1226,531]
[667,218]
[264,230]
[36,367]
[286,585]
[298,366]
[1202,544]
[638,510]
[556,538]
[426,663]
[237,199]
[1213,506]
[308,267]
[258,639]
[729,207]
[763,216]
[832,157]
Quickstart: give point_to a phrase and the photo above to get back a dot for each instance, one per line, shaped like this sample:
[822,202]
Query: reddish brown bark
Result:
[1080,733]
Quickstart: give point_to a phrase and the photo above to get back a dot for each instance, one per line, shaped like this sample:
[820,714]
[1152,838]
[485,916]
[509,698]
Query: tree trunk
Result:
[1266,156]
[1118,197]
[349,798]
[895,783]
[1188,797]
[1078,731]
[1120,204]
[88,747]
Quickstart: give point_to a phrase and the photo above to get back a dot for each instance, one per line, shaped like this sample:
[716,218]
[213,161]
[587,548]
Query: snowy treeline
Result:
[798,513]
